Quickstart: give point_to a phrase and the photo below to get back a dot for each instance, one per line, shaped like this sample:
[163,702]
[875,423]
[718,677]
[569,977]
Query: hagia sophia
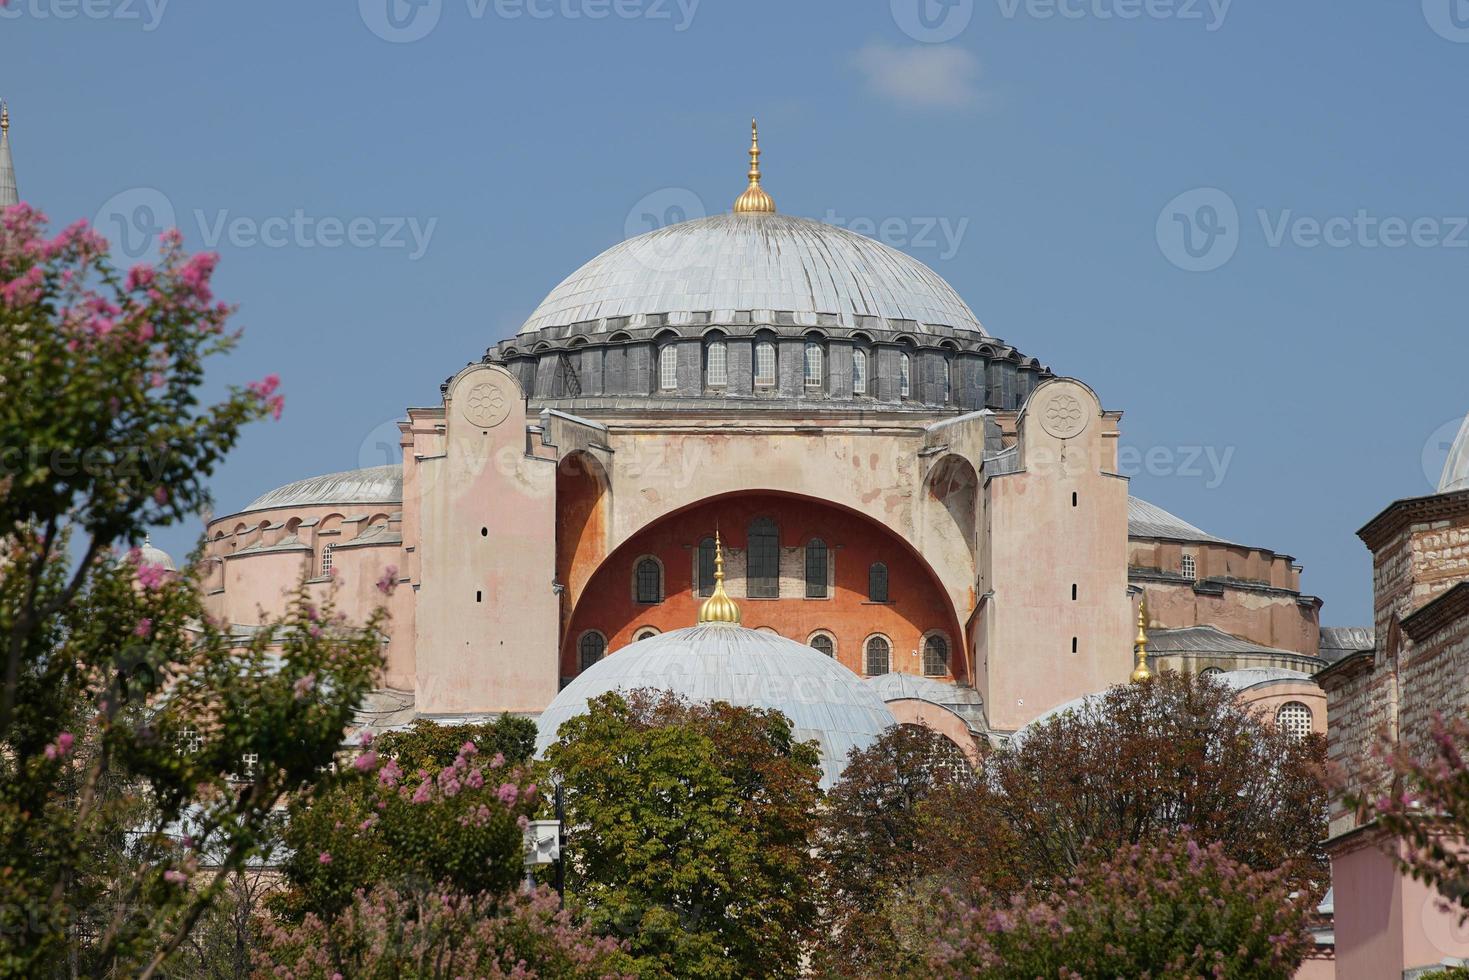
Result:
[763,458]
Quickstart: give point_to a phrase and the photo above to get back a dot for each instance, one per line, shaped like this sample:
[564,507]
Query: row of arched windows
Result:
[876,654]
[762,570]
[813,367]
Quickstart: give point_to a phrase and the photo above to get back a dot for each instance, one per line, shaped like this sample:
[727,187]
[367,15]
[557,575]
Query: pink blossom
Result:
[389,580]
[508,794]
[151,576]
[264,391]
[304,685]
[144,628]
[424,792]
[325,857]
[468,749]
[389,774]
[174,877]
[366,761]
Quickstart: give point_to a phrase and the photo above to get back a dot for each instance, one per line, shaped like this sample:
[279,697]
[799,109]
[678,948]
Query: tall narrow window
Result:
[877,582]
[1188,568]
[935,656]
[668,367]
[765,363]
[905,375]
[717,364]
[948,381]
[878,656]
[592,648]
[859,372]
[822,643]
[762,572]
[326,558]
[816,569]
[813,364]
[706,567]
[649,581]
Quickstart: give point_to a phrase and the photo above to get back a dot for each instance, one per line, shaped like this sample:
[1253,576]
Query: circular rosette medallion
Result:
[1064,415]
[486,405]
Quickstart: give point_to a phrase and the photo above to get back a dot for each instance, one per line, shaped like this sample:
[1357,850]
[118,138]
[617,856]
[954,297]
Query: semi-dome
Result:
[752,260]
[723,662]
[1456,470]
[371,485]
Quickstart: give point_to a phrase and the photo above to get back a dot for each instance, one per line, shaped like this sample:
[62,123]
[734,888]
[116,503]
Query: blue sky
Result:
[1242,223]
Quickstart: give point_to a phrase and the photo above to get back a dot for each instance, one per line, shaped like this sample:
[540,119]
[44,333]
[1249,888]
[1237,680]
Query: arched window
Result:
[812,362]
[649,581]
[935,656]
[645,633]
[859,372]
[905,375]
[762,571]
[1188,568]
[948,381]
[716,364]
[1294,718]
[1211,672]
[822,643]
[877,582]
[878,656]
[764,363]
[706,567]
[592,648]
[816,569]
[668,367]
[326,558]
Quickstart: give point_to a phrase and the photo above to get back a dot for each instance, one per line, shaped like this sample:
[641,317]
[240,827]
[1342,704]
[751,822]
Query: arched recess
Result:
[937,718]
[951,503]
[583,508]
[919,604]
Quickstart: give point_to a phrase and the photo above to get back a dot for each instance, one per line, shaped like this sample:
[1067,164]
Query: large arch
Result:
[919,603]
[583,506]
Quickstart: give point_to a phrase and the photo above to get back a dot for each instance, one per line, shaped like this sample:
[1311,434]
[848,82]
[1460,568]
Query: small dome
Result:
[754,261]
[150,555]
[1456,470]
[824,700]
[373,485]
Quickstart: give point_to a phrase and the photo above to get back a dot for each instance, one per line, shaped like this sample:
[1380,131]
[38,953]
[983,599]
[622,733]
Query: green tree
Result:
[692,833]
[1170,910]
[427,745]
[1144,761]
[125,710]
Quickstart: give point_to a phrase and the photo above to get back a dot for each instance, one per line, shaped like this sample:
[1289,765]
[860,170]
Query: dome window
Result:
[1188,568]
[859,372]
[765,363]
[763,571]
[879,656]
[1294,719]
[823,644]
[813,366]
[593,647]
[326,559]
[816,569]
[668,367]
[935,656]
[717,364]
[905,376]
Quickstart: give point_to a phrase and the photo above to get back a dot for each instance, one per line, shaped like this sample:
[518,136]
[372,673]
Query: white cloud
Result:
[930,76]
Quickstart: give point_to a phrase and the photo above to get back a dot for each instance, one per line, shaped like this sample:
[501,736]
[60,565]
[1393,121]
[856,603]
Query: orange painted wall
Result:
[917,607]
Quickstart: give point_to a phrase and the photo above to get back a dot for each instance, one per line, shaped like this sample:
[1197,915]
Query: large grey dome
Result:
[773,262]
[372,485]
[1456,470]
[824,700]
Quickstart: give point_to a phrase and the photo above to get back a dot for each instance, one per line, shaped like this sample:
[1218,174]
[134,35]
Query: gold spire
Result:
[754,200]
[1140,645]
[719,607]
[4,116]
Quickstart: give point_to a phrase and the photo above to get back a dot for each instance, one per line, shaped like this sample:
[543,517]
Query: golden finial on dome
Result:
[1140,645]
[4,116]
[754,200]
[719,607]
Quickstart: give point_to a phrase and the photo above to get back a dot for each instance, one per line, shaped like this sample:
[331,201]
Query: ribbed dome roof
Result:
[772,262]
[1456,470]
[824,700]
[373,485]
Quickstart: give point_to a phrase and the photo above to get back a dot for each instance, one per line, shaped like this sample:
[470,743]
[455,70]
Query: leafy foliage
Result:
[1143,761]
[693,828]
[125,711]
[1170,911]
[426,745]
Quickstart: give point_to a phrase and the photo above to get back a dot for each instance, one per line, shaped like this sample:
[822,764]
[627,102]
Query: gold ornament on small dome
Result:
[1141,672]
[754,200]
[4,116]
[719,607]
